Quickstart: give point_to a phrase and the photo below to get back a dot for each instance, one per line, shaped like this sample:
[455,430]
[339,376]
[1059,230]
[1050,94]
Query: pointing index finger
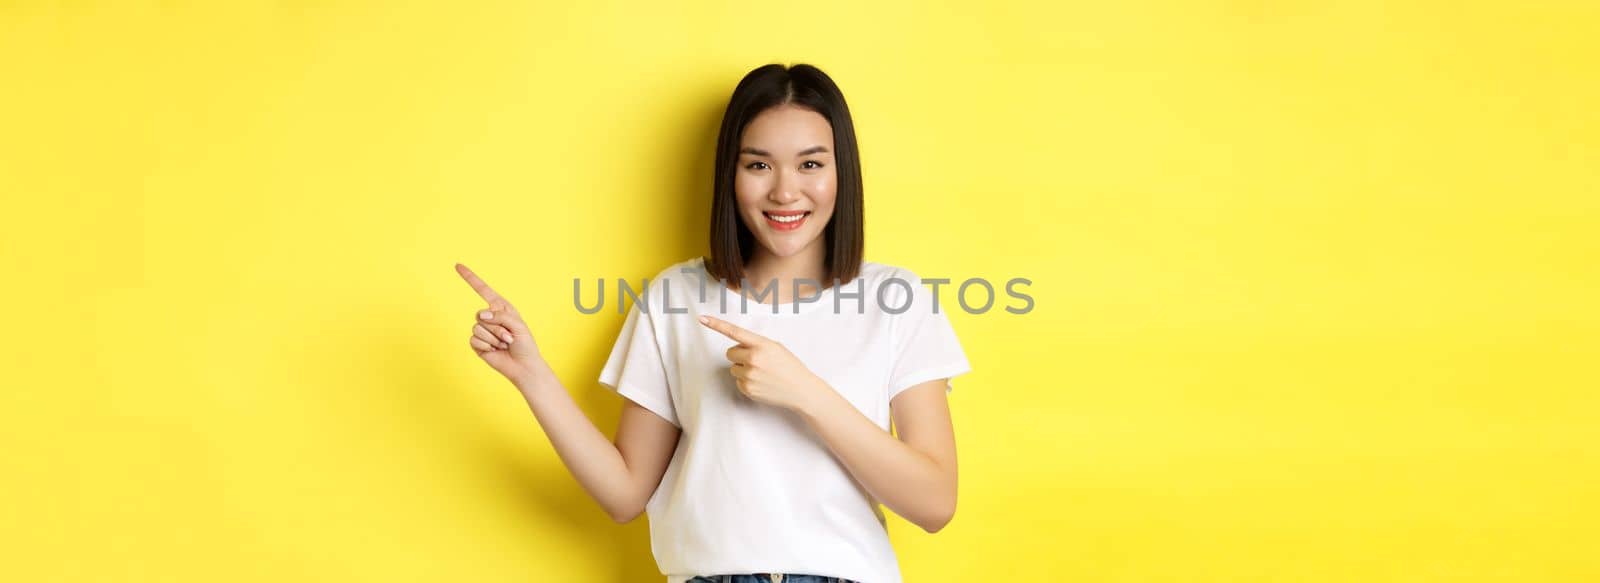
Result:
[483,289]
[738,334]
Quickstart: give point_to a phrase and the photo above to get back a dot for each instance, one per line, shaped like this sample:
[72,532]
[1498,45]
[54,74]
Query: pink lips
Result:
[782,226]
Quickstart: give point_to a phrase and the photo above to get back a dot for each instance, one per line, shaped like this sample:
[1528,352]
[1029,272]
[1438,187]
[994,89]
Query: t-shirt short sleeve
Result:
[923,342]
[635,369]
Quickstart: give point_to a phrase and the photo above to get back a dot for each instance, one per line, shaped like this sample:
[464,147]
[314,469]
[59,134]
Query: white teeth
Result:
[788,219]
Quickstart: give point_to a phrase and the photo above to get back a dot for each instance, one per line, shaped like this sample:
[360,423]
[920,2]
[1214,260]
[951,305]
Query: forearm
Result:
[591,457]
[909,482]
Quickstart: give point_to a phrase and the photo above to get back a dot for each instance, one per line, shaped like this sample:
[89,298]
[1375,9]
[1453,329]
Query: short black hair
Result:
[808,87]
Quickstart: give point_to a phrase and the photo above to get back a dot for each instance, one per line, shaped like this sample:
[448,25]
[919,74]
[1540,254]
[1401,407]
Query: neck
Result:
[765,267]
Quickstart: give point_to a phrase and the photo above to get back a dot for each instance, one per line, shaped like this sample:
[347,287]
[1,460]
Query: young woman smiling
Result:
[758,439]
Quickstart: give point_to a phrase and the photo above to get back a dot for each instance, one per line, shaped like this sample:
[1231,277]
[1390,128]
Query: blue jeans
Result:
[768,578]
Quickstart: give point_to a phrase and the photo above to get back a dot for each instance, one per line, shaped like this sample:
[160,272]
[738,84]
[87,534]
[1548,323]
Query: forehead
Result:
[787,129]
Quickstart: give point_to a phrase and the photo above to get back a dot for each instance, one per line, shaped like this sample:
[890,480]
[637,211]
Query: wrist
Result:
[538,377]
[819,402]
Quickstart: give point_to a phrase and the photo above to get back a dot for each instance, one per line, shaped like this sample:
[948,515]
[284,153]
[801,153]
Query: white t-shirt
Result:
[751,488]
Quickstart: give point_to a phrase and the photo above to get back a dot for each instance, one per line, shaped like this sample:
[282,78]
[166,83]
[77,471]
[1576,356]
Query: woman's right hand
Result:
[499,335]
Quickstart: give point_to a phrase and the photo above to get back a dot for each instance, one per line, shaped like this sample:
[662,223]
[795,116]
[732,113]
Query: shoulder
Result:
[873,271]
[688,270]
[876,274]
[899,290]
[891,287]
[677,280]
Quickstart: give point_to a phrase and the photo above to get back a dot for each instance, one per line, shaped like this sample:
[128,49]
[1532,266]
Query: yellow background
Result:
[1316,281]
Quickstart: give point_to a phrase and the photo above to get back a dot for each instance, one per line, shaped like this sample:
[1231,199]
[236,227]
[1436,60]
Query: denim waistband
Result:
[769,578]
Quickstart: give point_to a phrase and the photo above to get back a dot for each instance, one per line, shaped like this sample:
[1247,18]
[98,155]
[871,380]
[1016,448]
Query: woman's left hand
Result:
[766,371]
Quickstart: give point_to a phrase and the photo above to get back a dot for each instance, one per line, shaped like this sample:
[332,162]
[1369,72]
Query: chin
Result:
[787,248]
[784,251]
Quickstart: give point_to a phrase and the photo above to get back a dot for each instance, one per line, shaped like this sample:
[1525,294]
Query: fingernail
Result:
[508,338]
[703,320]
[486,314]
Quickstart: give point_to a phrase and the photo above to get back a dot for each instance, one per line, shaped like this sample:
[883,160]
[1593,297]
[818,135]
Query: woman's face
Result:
[785,182]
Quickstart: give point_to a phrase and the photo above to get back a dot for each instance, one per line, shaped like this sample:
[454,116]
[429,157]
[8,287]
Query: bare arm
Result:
[915,475]
[622,475]
[619,475]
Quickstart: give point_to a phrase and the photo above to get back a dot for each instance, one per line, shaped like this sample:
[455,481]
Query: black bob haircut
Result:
[808,87]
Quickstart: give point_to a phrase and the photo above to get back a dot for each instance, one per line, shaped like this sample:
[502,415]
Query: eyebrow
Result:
[807,151]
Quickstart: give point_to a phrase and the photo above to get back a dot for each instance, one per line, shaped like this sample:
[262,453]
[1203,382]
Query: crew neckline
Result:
[756,308]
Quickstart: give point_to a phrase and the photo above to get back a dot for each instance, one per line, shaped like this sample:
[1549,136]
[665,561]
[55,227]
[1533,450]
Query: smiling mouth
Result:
[786,220]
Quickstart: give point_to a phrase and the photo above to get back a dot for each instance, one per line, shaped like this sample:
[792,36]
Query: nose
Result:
[785,190]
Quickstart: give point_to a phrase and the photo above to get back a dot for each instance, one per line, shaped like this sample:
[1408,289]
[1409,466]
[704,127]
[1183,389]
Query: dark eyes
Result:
[763,165]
